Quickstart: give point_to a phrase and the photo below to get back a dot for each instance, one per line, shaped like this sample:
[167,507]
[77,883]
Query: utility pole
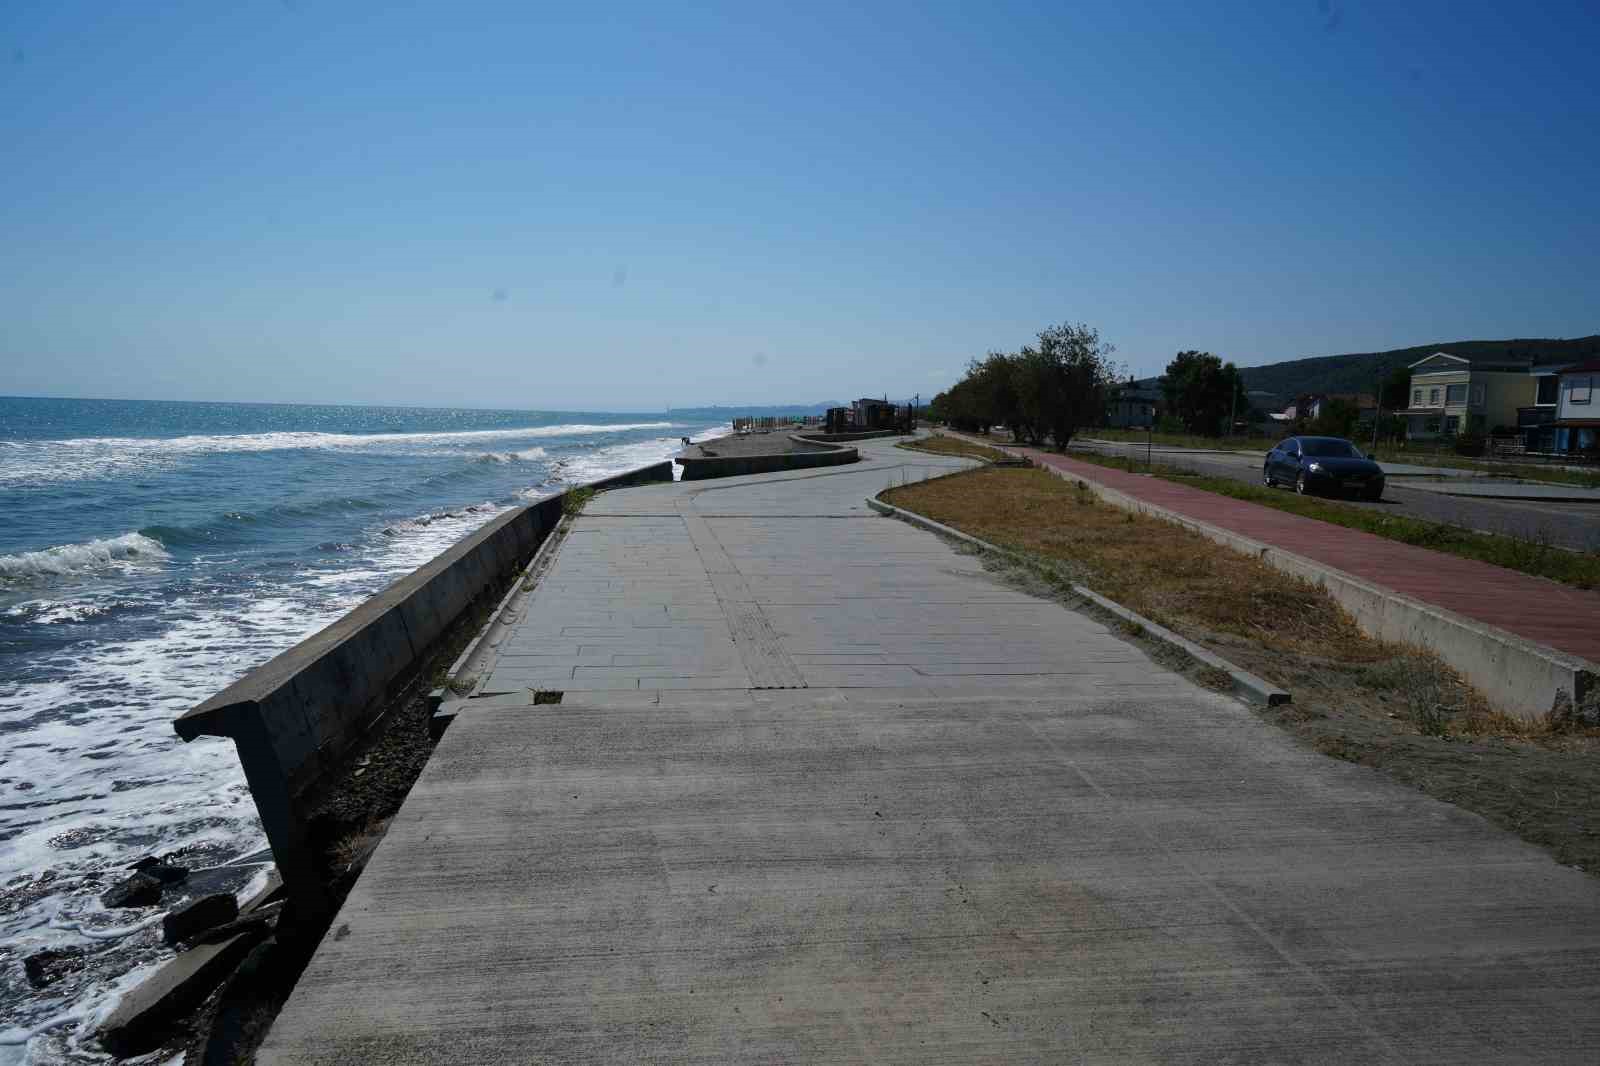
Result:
[1233,402]
[1377,413]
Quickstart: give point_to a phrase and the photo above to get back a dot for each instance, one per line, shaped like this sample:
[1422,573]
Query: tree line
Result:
[1050,390]
[1047,390]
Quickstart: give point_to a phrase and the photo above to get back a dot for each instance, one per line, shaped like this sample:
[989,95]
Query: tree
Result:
[1336,418]
[1203,391]
[1040,392]
[1396,392]
[1062,383]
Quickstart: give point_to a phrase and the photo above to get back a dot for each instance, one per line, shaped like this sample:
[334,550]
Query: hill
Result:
[1359,371]
[755,410]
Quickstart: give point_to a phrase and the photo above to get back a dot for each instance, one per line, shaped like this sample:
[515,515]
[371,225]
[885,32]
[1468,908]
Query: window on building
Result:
[1433,397]
[1549,387]
[1454,395]
[1452,426]
[1416,397]
[1580,390]
[1478,391]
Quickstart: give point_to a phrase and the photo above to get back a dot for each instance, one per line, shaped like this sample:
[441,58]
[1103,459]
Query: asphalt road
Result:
[1568,525]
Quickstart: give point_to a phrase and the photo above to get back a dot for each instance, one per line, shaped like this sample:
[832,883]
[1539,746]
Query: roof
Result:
[1590,367]
[1436,355]
[1487,363]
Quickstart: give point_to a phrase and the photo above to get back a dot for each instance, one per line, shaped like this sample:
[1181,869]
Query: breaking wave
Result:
[68,559]
[89,457]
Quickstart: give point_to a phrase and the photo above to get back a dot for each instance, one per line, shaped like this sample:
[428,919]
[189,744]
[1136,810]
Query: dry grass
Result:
[1169,575]
[952,446]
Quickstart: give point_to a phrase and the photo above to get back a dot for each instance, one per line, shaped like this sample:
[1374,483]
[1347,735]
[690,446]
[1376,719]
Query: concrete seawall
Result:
[297,716]
[839,438]
[813,453]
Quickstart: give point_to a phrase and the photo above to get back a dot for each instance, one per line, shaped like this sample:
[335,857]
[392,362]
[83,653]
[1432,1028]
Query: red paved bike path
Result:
[1531,607]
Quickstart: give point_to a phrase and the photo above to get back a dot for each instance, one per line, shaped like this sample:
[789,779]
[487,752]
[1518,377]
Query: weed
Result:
[1425,701]
[1389,674]
[574,500]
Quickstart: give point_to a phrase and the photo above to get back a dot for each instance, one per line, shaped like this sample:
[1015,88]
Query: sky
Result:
[629,207]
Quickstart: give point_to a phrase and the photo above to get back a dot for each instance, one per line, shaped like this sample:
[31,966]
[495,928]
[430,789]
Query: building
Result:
[1576,427]
[1132,406]
[1452,395]
[868,413]
[1365,403]
[1536,421]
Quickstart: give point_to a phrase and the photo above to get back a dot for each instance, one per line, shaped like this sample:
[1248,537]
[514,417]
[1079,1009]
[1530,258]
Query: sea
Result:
[150,554]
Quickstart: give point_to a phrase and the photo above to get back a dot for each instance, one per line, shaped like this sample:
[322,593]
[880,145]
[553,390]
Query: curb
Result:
[504,613]
[1516,674]
[1246,686]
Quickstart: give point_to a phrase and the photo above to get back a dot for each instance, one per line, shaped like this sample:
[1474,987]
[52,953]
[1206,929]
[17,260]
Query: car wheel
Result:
[1302,486]
[1266,478]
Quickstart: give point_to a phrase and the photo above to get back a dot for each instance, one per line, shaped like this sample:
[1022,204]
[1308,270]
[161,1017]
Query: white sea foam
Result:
[525,455]
[128,549]
[84,457]
[603,462]
[94,777]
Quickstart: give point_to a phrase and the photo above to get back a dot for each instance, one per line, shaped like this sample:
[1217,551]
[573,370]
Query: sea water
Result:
[150,554]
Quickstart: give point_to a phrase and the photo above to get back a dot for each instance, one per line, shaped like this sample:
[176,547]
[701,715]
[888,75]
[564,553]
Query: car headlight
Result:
[1315,467]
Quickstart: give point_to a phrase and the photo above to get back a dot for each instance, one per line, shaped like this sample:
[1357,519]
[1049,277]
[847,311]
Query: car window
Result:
[1333,449]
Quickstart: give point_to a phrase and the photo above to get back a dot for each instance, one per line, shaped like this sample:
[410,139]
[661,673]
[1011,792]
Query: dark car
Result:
[1323,464]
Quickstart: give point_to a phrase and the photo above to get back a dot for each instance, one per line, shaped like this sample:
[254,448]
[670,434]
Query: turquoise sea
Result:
[150,553]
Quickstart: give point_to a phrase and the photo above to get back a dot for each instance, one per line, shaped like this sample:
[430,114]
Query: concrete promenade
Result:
[821,790]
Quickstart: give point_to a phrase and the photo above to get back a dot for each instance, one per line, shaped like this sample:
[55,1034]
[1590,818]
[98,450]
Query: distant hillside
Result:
[1358,371]
[755,410]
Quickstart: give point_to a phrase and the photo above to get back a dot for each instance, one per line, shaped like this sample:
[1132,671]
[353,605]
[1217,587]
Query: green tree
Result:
[1396,392]
[1062,383]
[1203,392]
[1336,418]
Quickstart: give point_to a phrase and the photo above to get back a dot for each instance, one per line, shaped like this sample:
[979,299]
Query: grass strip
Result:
[1578,569]
[953,446]
[1419,455]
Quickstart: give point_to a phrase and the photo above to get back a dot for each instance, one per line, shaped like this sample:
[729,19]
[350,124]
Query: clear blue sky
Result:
[617,206]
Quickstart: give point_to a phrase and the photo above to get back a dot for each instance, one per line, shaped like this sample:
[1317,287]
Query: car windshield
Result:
[1332,449]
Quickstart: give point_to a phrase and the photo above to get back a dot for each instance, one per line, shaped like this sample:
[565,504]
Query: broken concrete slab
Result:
[197,916]
[144,1016]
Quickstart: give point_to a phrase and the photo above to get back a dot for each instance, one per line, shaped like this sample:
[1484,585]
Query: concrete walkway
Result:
[820,790]
[1534,608]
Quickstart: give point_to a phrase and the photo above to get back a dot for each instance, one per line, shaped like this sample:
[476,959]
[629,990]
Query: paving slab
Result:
[1069,855]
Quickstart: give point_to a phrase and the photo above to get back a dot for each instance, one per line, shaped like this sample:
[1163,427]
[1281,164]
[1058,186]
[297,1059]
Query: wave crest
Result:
[524,455]
[68,559]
